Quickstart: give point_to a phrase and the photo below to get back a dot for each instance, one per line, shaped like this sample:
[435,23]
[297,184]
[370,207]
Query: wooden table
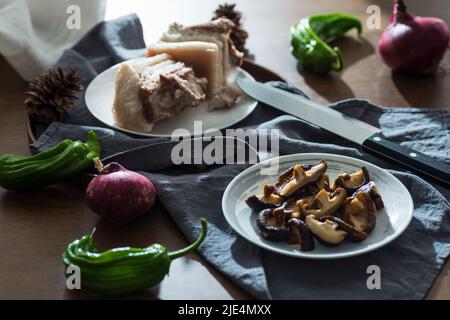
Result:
[35,227]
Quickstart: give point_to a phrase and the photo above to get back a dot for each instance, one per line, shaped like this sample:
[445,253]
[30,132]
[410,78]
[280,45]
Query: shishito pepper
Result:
[310,40]
[126,270]
[12,159]
[62,161]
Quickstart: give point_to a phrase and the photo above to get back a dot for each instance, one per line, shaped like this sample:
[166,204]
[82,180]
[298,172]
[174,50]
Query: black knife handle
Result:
[414,160]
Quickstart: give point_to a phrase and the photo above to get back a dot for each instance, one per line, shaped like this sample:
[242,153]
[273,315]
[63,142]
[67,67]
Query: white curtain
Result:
[34,33]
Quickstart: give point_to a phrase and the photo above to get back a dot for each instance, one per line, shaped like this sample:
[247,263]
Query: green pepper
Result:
[16,163]
[85,160]
[126,270]
[62,161]
[50,152]
[311,36]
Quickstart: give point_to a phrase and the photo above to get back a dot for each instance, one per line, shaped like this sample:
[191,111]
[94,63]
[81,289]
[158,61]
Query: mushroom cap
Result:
[323,183]
[288,185]
[271,227]
[327,231]
[324,203]
[352,181]
[267,200]
[301,234]
[352,234]
[372,190]
[286,175]
[359,212]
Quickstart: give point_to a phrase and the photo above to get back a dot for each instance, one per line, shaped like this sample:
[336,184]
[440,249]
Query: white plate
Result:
[391,221]
[100,97]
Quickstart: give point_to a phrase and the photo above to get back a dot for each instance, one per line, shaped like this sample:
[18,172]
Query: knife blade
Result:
[364,134]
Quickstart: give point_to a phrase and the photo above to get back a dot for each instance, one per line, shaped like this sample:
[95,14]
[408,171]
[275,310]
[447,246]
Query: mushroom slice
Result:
[299,178]
[352,181]
[272,224]
[300,234]
[322,183]
[267,200]
[326,231]
[352,233]
[359,212]
[372,190]
[325,203]
[287,175]
[291,209]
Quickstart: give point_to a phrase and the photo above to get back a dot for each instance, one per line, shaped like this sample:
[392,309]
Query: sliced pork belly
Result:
[204,57]
[218,33]
[154,89]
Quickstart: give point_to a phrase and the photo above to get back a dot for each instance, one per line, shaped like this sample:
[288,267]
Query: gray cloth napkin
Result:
[408,265]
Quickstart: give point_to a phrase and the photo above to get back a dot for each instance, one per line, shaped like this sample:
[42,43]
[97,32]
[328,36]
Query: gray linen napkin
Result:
[408,265]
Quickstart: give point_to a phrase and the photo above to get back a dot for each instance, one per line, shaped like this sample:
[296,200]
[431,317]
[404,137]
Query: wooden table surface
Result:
[36,227]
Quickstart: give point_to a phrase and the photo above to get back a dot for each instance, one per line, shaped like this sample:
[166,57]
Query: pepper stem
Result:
[401,6]
[399,12]
[179,253]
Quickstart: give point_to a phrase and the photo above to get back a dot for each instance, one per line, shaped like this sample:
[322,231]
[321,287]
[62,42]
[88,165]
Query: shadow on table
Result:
[331,86]
[353,49]
[34,201]
[421,90]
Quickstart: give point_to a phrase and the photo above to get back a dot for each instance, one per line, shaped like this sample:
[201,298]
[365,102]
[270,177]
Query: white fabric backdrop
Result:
[34,33]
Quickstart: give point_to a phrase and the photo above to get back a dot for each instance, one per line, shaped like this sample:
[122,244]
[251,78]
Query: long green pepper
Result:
[122,271]
[310,40]
[12,159]
[62,161]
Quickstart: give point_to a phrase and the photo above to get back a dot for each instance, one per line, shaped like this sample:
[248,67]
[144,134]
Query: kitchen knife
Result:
[369,137]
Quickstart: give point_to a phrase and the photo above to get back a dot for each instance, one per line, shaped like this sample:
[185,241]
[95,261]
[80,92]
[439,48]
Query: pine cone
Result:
[51,94]
[227,11]
[238,35]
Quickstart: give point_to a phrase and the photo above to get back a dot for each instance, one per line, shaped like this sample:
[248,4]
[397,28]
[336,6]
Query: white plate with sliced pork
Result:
[186,86]
[318,206]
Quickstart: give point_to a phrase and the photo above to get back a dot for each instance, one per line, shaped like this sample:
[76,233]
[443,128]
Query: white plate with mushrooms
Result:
[318,206]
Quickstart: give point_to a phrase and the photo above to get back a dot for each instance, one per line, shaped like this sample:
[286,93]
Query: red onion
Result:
[413,44]
[119,195]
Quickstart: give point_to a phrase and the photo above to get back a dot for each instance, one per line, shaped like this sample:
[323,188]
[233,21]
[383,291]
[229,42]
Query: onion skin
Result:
[120,195]
[413,44]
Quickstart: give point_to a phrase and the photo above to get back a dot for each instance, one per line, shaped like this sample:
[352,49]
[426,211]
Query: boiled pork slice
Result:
[154,89]
[216,32]
[204,57]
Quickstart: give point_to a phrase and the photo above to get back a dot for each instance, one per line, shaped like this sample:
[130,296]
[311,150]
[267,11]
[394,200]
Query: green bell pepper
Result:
[310,40]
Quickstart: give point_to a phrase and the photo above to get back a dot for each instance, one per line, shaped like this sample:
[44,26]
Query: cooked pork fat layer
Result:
[204,57]
[154,89]
[218,33]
